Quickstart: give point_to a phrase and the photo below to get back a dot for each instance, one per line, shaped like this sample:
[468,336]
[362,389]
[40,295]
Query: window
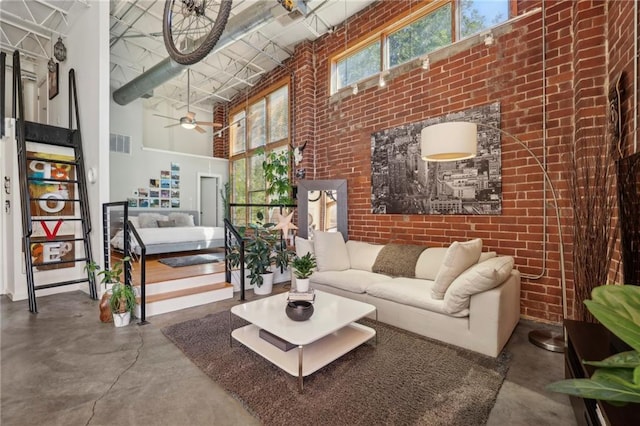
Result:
[439,23]
[261,126]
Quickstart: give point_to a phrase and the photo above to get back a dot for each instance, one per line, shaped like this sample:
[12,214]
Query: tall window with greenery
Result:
[261,129]
[439,23]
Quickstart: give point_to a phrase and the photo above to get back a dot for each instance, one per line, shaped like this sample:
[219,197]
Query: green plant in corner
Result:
[303,266]
[617,378]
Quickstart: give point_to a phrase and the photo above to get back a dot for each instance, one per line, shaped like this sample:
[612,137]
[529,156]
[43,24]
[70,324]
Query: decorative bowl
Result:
[299,310]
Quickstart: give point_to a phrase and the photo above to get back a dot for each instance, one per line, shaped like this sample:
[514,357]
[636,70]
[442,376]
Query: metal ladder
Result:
[52,210]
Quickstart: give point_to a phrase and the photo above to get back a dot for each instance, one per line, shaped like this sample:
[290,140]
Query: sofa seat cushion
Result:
[410,291]
[353,280]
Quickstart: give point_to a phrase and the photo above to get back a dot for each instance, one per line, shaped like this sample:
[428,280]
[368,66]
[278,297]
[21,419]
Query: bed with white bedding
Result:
[168,232]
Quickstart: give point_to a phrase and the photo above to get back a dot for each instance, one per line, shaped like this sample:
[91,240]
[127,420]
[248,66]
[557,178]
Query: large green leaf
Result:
[630,359]
[605,384]
[618,309]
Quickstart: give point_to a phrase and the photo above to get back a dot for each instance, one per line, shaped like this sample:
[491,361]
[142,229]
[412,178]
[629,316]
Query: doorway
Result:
[208,188]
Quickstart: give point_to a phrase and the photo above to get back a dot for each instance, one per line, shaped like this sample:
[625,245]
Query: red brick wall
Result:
[339,130]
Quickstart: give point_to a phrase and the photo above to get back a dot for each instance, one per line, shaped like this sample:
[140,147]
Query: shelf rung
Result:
[61,283]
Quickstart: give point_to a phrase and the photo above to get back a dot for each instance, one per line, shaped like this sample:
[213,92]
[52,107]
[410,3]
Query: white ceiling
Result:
[32,26]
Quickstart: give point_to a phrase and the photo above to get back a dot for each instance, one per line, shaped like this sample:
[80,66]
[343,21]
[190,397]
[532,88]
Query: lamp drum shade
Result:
[451,141]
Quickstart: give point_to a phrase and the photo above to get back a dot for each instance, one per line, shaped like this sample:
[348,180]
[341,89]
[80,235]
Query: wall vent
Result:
[119,143]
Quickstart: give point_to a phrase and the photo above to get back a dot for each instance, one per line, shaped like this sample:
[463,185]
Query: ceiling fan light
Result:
[187,124]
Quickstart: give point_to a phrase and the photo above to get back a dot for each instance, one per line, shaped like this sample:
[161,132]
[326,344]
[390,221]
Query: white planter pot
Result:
[302,284]
[120,320]
[267,285]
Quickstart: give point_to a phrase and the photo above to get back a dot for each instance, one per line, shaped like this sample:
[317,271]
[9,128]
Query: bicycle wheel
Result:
[191,28]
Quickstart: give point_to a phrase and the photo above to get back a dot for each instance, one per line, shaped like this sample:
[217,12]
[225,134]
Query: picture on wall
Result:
[154,202]
[165,204]
[165,183]
[165,174]
[47,187]
[403,183]
[154,193]
[175,183]
[175,193]
[44,251]
[132,202]
[154,183]
[165,193]
[143,202]
[175,203]
[53,81]
[143,192]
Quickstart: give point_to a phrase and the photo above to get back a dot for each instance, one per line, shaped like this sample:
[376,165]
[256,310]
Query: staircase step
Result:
[185,292]
[185,298]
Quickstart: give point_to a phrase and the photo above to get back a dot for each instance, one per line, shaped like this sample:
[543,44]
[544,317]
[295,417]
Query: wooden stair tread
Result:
[185,292]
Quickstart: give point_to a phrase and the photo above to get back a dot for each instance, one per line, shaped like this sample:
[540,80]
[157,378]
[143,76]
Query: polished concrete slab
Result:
[63,367]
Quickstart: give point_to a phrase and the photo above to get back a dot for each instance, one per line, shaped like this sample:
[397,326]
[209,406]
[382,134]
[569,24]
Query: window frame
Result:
[268,146]
[401,21]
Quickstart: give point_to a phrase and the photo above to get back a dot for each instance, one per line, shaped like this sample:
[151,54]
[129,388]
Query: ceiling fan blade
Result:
[209,123]
[172,125]
[200,129]
[165,116]
[191,115]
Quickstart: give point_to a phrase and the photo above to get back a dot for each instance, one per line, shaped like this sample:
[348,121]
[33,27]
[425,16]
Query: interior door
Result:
[208,201]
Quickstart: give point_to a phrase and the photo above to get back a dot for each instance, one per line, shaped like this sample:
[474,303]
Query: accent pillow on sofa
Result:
[398,260]
[331,251]
[182,219]
[304,246]
[362,255]
[486,255]
[429,263]
[480,277]
[458,258]
[166,224]
[150,220]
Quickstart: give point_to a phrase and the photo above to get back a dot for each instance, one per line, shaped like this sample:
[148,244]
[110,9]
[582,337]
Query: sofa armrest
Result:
[494,314]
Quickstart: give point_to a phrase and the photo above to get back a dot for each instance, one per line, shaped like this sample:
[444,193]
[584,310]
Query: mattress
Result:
[201,236]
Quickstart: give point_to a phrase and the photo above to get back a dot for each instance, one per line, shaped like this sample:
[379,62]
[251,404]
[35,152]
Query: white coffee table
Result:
[330,332]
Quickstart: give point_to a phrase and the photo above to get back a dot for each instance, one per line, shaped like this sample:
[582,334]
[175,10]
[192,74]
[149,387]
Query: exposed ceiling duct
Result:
[240,25]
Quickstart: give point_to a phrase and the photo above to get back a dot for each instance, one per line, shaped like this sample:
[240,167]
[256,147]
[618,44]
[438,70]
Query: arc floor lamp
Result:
[458,140]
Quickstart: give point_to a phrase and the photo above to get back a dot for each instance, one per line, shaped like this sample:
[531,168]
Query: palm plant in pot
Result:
[302,269]
[118,298]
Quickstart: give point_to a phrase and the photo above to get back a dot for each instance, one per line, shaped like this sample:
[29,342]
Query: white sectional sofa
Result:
[455,294]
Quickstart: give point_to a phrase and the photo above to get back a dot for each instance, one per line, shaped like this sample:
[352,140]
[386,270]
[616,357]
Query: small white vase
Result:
[120,320]
[267,284]
[302,284]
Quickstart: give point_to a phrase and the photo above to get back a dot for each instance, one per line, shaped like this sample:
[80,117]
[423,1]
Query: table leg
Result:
[300,378]
[230,338]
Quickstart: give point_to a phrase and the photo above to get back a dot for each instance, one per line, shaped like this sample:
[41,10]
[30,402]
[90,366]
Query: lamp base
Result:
[549,340]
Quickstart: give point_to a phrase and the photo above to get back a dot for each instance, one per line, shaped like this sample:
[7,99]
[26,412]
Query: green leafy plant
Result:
[262,249]
[276,168]
[123,298]
[303,266]
[108,276]
[617,378]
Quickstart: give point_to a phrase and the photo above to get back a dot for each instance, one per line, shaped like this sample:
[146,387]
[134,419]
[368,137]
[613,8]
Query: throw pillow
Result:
[166,224]
[480,277]
[331,251]
[148,220]
[398,260]
[303,246]
[181,219]
[363,255]
[429,263]
[458,258]
[486,255]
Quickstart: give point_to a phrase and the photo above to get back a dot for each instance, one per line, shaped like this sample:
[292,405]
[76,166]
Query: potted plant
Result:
[302,269]
[118,300]
[262,249]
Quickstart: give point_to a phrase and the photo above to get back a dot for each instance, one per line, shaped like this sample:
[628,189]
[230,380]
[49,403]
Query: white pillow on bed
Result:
[182,219]
[150,220]
[134,221]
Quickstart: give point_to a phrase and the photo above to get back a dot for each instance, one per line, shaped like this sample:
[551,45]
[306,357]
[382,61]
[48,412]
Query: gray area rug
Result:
[403,380]
[197,259]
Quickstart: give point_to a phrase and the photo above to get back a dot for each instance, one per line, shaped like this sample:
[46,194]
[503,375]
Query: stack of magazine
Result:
[301,295]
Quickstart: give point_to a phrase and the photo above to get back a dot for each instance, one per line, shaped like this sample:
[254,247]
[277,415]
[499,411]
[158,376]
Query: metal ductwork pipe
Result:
[247,21]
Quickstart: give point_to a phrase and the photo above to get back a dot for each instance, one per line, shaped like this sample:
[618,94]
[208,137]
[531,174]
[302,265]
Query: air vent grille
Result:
[119,143]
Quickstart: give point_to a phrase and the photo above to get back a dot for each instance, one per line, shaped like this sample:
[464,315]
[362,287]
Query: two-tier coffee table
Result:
[330,332]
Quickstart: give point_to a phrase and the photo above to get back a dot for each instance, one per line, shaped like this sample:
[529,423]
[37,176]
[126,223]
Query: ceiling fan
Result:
[189,120]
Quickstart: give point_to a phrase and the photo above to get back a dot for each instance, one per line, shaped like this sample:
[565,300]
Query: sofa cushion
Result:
[398,260]
[150,220]
[362,255]
[182,219]
[304,246]
[408,291]
[480,277]
[352,280]
[429,262]
[166,224]
[486,255]
[458,258]
[331,251]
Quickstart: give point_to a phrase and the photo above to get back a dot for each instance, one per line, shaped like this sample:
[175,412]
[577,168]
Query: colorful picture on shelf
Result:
[154,193]
[175,167]
[154,202]
[154,183]
[165,204]
[132,202]
[143,202]
[175,203]
[175,183]
[165,193]
[50,198]
[165,183]
[44,251]
[165,174]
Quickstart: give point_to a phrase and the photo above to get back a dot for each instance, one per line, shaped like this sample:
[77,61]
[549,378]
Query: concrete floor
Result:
[63,367]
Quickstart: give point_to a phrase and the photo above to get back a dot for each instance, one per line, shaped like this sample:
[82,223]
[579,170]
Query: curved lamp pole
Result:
[458,140]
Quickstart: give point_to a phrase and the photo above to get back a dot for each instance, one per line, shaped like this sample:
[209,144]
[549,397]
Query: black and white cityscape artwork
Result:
[403,183]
